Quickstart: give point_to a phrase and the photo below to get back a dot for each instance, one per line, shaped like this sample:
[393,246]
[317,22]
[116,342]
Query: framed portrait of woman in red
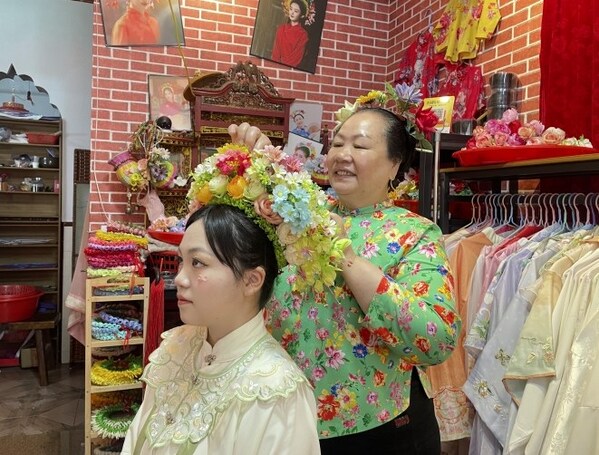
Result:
[167,100]
[142,22]
[289,32]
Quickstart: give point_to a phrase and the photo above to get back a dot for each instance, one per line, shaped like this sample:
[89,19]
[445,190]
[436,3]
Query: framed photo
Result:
[142,23]
[289,32]
[167,100]
[303,148]
[305,119]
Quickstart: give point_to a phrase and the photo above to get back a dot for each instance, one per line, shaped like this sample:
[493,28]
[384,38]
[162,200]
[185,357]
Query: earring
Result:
[391,186]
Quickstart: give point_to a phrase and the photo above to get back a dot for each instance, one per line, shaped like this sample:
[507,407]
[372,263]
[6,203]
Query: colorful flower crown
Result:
[406,102]
[272,190]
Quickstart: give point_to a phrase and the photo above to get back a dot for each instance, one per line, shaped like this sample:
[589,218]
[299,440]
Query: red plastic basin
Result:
[18,302]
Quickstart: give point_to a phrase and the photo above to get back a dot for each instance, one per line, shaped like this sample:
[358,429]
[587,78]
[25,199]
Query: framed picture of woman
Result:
[289,32]
[142,23]
[167,100]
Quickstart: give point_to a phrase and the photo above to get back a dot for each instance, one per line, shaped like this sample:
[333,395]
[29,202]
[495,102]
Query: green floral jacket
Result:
[360,364]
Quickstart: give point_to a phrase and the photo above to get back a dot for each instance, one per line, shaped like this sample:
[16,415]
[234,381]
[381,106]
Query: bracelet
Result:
[113,421]
[106,331]
[131,324]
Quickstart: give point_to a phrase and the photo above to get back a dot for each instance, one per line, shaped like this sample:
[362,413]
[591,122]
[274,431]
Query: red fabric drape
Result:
[570,67]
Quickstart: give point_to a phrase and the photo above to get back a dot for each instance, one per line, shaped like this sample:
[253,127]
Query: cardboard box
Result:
[28,357]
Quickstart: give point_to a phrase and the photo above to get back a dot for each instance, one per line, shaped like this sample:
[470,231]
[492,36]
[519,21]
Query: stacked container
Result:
[505,91]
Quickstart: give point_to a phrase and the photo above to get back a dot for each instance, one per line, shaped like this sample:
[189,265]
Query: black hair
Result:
[238,243]
[302,6]
[401,146]
[305,150]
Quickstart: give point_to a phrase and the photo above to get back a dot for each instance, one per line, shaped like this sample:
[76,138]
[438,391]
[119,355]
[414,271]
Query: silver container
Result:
[503,96]
[496,112]
[504,80]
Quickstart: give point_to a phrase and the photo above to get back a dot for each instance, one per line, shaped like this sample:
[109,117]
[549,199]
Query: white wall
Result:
[51,41]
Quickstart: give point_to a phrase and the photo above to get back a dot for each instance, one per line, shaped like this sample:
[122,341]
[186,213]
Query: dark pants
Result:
[413,432]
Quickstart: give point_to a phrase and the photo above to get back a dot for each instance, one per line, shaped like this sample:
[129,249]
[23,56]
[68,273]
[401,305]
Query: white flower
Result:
[218,184]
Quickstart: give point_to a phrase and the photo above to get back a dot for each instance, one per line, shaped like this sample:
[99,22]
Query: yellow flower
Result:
[236,187]
[373,97]
[204,195]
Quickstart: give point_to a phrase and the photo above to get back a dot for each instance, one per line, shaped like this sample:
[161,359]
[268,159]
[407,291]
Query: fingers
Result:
[248,135]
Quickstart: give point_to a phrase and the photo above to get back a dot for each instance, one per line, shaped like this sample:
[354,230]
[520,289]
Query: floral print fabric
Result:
[360,364]
[463,25]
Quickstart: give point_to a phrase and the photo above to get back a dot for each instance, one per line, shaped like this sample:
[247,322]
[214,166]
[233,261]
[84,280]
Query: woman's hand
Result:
[249,136]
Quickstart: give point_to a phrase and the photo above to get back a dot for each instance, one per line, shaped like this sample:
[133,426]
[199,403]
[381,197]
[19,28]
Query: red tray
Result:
[174,238]
[498,155]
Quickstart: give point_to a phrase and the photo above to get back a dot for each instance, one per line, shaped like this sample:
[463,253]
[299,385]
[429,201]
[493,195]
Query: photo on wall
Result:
[306,119]
[167,100]
[142,23]
[289,32]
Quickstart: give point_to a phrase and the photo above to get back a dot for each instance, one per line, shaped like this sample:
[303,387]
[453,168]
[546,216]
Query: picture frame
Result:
[305,119]
[303,148]
[124,25]
[277,38]
[166,99]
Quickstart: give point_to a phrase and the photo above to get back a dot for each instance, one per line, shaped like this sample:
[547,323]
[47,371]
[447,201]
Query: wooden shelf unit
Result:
[90,343]
[30,221]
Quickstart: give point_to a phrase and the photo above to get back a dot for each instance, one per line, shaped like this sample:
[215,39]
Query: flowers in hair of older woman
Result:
[510,131]
[269,187]
[405,101]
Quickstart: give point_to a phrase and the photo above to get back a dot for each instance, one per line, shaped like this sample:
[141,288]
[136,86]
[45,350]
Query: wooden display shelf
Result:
[115,388]
[108,344]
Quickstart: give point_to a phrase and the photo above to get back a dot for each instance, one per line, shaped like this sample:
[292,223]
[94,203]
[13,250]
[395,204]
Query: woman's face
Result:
[358,163]
[295,13]
[139,5]
[208,292]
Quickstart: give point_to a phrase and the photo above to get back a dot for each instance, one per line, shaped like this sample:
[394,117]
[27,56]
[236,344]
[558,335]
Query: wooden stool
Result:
[39,322]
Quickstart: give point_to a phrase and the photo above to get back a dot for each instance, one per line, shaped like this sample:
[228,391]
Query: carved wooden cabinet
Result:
[242,94]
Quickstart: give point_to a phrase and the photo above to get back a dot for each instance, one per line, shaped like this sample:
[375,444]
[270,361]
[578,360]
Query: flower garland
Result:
[269,187]
[405,101]
[122,397]
[113,421]
[116,372]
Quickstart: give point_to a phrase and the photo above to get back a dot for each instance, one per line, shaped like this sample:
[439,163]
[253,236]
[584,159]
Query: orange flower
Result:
[379,378]
[328,407]
[204,195]
[420,289]
[236,187]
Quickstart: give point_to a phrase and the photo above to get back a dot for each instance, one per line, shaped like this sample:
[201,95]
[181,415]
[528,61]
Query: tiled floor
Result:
[50,416]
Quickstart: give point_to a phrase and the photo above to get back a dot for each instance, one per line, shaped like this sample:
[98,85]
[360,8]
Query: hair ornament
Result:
[403,100]
[271,188]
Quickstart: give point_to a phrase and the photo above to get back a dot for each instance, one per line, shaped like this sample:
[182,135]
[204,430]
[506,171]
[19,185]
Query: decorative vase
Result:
[126,168]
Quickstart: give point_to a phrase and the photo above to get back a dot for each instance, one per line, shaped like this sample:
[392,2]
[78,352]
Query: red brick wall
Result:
[361,44]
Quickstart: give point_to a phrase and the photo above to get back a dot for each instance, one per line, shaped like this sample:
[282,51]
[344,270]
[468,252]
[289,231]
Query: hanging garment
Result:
[463,25]
[466,84]
[418,65]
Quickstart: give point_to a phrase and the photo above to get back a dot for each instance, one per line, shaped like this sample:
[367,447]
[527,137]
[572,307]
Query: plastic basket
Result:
[18,302]
[165,261]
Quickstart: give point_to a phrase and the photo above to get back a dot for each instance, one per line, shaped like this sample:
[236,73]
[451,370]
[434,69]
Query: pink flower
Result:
[318,373]
[500,138]
[553,135]
[494,126]
[484,140]
[527,131]
[335,357]
[263,207]
[510,116]
[514,139]
[534,140]
[292,163]
[538,127]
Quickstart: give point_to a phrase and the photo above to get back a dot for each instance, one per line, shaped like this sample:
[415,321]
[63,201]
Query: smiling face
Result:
[208,292]
[358,161]
[139,5]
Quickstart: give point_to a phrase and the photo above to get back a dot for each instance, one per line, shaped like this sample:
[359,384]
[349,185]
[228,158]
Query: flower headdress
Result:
[272,190]
[405,101]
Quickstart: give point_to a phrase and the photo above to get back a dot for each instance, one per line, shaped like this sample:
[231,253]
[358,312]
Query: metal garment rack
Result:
[514,171]
[444,144]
